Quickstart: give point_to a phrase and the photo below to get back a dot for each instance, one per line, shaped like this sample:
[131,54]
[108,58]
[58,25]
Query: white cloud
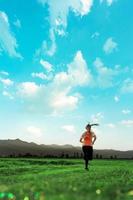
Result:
[110,125]
[57,95]
[47,98]
[69,128]
[58,14]
[126,111]
[116,98]
[8,42]
[109,2]
[78,71]
[17,23]
[109,46]
[47,48]
[4,73]
[96,118]
[7,94]
[62,100]
[128,123]
[77,74]
[46,65]
[105,75]
[40,75]
[95,35]
[34,131]
[6,82]
[127,86]
[86,6]
[28,89]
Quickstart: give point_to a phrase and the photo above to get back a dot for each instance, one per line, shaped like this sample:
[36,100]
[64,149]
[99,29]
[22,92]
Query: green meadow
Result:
[65,179]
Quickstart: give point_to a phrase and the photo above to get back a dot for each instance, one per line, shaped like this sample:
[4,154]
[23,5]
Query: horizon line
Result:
[65,145]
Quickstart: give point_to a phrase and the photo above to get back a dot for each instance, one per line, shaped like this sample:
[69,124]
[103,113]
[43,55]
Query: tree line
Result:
[76,155]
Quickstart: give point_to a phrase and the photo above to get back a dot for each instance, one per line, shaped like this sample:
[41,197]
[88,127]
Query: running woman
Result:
[88,139]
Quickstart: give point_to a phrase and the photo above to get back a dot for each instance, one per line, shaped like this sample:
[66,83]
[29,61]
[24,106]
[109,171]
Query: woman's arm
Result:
[81,140]
[94,138]
[82,137]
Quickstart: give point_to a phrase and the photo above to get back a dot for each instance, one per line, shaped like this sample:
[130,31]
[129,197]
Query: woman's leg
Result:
[86,163]
[85,157]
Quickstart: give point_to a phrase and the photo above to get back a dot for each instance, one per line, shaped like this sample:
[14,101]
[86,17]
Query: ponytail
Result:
[90,125]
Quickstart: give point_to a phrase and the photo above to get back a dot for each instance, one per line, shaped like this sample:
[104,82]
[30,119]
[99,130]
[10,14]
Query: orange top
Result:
[87,138]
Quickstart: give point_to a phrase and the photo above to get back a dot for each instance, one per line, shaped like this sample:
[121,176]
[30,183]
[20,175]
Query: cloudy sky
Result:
[64,64]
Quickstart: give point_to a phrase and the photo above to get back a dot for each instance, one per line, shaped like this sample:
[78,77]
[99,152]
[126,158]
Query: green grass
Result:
[65,179]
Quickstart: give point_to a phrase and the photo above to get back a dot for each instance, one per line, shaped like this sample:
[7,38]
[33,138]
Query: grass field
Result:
[65,179]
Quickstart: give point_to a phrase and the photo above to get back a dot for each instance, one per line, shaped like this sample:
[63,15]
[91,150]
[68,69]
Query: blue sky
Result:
[64,64]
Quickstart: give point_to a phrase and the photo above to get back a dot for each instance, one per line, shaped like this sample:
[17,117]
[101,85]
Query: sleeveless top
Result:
[87,138]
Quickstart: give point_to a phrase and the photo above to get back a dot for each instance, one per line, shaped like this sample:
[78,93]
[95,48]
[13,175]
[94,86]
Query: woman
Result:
[88,139]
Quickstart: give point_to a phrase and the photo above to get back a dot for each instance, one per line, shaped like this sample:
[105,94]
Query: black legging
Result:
[88,154]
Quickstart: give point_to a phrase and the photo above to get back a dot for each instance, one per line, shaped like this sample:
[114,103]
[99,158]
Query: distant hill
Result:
[20,148]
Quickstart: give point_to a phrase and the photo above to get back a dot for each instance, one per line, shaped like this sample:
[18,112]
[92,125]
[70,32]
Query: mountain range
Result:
[19,148]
